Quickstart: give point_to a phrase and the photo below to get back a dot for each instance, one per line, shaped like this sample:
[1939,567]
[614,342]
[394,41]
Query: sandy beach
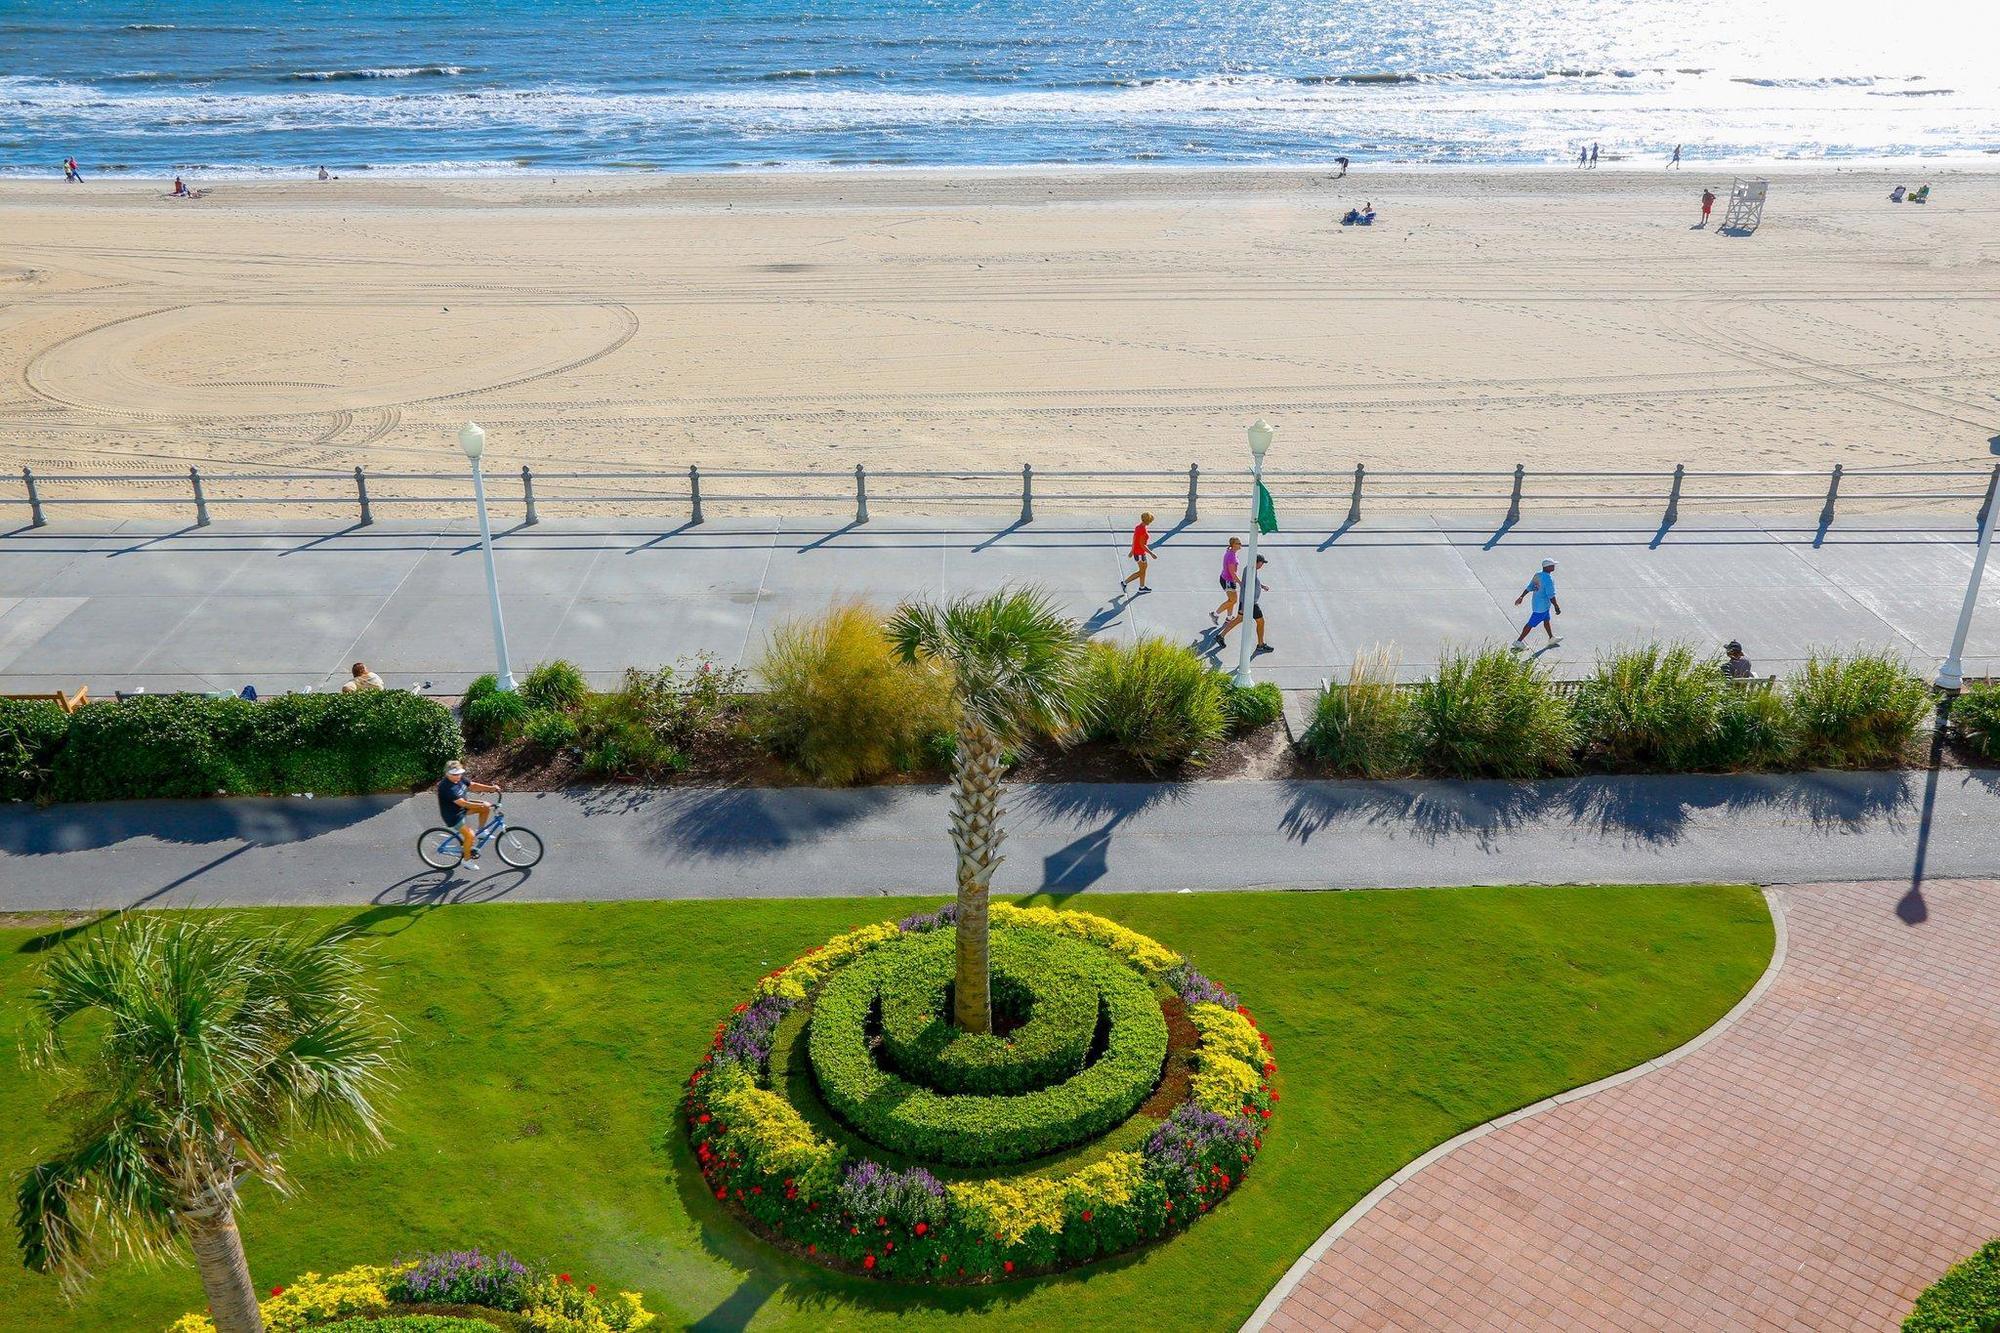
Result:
[985,319]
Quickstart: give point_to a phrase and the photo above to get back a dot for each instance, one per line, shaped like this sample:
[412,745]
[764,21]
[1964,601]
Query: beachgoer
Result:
[1253,599]
[323,175]
[1896,195]
[71,172]
[180,188]
[1232,573]
[1922,195]
[362,681]
[1707,204]
[1735,665]
[1343,166]
[1677,156]
[454,793]
[1583,157]
[1593,155]
[1543,588]
[1367,215]
[1141,553]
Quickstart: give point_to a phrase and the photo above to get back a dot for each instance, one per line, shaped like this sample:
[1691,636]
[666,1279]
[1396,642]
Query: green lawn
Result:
[545,1046]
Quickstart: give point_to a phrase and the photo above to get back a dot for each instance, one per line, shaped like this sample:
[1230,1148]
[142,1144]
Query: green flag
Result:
[1267,513]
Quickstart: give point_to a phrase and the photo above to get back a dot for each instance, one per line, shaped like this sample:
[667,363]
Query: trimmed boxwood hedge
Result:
[1965,1300]
[984,1130]
[1034,974]
[32,731]
[193,745]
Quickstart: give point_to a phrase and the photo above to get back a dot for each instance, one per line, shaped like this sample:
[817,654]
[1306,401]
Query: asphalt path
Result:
[694,843]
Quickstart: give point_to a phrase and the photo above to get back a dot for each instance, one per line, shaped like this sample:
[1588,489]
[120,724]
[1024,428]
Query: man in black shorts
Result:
[454,793]
[1250,602]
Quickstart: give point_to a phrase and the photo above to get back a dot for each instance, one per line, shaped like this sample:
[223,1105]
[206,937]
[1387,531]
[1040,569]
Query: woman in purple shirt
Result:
[1232,561]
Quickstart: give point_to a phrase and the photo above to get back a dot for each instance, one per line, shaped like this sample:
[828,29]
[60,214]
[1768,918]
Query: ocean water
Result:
[477,86]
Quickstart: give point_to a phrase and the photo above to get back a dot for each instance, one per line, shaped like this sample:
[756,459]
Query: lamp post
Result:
[1246,598]
[473,441]
[1951,676]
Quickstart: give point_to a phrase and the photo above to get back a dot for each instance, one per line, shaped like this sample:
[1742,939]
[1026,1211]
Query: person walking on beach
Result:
[1707,205]
[1343,166]
[1232,577]
[1543,588]
[1677,157]
[71,173]
[1142,552]
[1593,157]
[1582,158]
[1252,604]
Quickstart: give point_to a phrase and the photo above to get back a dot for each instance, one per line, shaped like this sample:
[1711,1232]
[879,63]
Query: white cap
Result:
[453,769]
[1548,564]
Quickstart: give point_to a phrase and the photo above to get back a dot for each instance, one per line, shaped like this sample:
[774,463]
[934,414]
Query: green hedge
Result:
[1030,977]
[32,732]
[1965,1300]
[191,745]
[975,1130]
[1976,714]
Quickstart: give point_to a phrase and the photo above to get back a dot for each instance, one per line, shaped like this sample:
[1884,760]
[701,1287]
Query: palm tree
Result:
[1016,663]
[187,1056]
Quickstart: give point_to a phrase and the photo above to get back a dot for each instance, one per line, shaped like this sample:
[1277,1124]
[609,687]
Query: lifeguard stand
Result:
[1746,205]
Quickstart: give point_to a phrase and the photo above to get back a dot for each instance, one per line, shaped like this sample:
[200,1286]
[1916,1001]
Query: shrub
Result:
[1965,1300]
[1155,701]
[31,732]
[1976,714]
[1491,714]
[557,686]
[495,717]
[410,1323]
[1861,711]
[464,1277]
[191,745]
[364,1300]
[840,706]
[1667,710]
[1248,708]
[549,730]
[1362,728]
[970,1129]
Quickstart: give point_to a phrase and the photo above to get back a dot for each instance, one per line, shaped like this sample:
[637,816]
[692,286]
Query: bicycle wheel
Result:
[518,847]
[439,847]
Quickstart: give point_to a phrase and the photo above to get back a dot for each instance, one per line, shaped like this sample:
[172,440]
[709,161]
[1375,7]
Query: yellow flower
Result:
[1226,1032]
[1143,952]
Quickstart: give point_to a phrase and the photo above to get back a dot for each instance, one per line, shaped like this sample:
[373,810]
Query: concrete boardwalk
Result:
[1062,838]
[119,606]
[1812,1167]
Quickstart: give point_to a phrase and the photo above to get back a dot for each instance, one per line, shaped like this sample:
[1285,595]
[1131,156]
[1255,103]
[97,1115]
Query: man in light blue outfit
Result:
[1542,587]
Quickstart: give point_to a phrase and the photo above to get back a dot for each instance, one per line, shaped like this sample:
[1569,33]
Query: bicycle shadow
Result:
[409,900]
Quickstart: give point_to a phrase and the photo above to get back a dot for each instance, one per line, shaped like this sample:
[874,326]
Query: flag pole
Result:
[1246,594]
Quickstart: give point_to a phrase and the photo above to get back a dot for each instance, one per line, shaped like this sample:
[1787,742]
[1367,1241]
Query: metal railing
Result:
[695,491]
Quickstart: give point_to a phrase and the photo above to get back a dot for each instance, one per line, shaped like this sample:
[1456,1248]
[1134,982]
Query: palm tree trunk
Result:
[225,1273]
[977,835]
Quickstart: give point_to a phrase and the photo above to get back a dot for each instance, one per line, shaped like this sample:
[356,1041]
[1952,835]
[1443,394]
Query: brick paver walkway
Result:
[1814,1167]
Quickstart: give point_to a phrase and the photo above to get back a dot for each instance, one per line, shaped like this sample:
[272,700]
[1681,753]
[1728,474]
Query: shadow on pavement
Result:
[1077,865]
[259,821]
[728,822]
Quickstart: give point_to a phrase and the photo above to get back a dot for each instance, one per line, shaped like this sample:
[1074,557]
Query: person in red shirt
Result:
[1142,551]
[1707,203]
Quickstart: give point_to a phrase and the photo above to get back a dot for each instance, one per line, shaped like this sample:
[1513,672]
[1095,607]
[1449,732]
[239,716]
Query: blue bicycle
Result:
[442,849]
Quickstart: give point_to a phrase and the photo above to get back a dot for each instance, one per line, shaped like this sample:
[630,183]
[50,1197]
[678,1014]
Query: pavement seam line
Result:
[1774,899]
[387,598]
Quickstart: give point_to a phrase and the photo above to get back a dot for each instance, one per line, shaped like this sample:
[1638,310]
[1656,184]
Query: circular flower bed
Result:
[841,1113]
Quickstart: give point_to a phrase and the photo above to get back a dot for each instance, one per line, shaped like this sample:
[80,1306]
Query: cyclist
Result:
[455,803]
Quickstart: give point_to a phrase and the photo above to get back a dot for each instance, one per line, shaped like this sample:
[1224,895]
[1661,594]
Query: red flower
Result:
[1265,1114]
[869,1262]
[1274,1096]
[703,1118]
[722,1194]
[922,1227]
[854,1231]
[756,1189]
[277,1291]
[812,1249]
[1086,1214]
[739,1008]
[592,1289]
[881,1221]
[888,1245]
[1270,1066]
[562,1277]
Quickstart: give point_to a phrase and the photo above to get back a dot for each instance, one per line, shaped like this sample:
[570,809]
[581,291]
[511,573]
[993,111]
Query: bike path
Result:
[695,843]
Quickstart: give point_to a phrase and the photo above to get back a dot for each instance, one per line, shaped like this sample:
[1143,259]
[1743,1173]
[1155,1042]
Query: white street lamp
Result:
[473,441]
[1951,676]
[1261,432]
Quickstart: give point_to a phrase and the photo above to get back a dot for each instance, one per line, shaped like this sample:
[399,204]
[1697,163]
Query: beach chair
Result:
[69,703]
[1746,205]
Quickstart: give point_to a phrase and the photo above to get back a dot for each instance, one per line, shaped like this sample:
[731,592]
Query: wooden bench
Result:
[69,703]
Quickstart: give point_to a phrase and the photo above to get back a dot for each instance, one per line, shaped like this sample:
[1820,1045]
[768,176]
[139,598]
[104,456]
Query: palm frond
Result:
[1016,660]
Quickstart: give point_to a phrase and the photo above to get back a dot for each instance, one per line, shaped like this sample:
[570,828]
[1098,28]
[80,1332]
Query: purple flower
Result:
[1189,1141]
[907,1197]
[746,1037]
[465,1277]
[1194,988]
[922,921]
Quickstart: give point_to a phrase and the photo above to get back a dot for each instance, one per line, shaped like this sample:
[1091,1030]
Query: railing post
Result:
[528,496]
[1514,503]
[361,494]
[1985,506]
[1673,515]
[860,493]
[1354,503]
[35,519]
[694,492]
[200,498]
[1027,492]
[1194,490]
[1832,495]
